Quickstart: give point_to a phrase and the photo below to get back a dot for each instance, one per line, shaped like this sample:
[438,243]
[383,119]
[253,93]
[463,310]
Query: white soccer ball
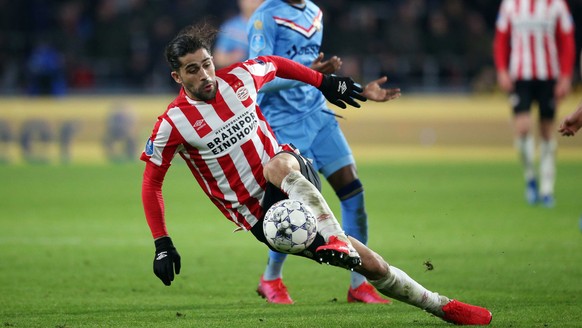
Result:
[290,226]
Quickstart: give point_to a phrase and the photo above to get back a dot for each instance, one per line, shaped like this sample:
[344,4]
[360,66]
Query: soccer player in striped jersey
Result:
[217,128]
[534,52]
[298,114]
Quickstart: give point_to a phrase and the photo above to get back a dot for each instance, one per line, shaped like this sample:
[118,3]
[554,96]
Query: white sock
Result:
[398,285]
[299,188]
[547,167]
[526,149]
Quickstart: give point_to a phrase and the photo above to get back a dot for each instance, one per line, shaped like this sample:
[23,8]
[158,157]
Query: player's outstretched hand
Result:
[340,90]
[329,66]
[166,260]
[571,123]
[373,91]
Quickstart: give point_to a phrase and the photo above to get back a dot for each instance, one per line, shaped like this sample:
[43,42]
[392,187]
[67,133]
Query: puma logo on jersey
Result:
[161,255]
[342,87]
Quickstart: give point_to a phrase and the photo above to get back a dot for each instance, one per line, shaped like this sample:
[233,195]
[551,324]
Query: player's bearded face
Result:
[197,75]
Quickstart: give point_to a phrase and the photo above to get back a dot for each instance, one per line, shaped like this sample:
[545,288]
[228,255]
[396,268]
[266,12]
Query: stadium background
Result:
[67,67]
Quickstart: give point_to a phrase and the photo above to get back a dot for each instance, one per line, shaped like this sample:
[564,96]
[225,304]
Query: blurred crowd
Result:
[116,46]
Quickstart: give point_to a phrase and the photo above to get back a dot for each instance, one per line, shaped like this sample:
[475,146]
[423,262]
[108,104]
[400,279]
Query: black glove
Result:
[338,90]
[166,259]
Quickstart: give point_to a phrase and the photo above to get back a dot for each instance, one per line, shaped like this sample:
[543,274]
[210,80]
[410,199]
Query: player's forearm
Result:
[576,117]
[289,69]
[153,201]
[280,84]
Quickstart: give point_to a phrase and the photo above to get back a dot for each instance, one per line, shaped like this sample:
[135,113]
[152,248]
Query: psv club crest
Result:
[242,93]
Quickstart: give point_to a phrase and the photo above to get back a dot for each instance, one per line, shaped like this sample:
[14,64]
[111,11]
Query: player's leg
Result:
[333,156]
[390,281]
[395,283]
[271,285]
[283,171]
[524,140]
[548,144]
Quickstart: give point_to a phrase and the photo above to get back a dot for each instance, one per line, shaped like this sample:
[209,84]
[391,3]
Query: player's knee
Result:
[279,167]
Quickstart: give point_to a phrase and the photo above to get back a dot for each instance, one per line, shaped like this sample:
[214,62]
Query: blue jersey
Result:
[233,35]
[278,28]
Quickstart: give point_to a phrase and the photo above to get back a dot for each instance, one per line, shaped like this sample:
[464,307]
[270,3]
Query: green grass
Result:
[75,251]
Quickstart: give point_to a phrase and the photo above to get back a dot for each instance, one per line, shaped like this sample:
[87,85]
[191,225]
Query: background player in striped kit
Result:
[534,52]
[299,115]
[250,170]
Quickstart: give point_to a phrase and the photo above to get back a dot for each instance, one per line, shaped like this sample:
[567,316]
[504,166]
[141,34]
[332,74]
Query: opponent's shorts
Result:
[274,194]
[526,92]
[318,137]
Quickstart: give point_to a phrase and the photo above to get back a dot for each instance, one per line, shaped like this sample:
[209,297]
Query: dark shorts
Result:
[542,92]
[274,194]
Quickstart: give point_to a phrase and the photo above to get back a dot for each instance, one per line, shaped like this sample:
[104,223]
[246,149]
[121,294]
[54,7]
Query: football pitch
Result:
[76,251]
[443,187]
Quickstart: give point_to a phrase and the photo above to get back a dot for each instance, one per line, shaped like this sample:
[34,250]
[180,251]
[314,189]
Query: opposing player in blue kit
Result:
[298,115]
[231,42]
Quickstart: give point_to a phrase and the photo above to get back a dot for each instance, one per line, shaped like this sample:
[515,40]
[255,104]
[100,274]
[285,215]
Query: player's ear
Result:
[176,77]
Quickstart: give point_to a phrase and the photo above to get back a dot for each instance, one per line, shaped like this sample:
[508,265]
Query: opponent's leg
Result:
[274,267]
[271,285]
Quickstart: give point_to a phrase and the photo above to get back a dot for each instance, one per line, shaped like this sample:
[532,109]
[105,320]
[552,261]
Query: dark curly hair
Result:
[189,40]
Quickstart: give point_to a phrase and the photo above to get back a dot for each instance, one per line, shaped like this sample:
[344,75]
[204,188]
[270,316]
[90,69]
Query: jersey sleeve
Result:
[261,32]
[265,68]
[158,153]
[152,199]
[565,40]
[501,42]
[280,84]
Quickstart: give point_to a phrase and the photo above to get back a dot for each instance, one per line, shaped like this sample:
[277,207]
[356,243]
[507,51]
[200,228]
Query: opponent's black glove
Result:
[338,90]
[166,259]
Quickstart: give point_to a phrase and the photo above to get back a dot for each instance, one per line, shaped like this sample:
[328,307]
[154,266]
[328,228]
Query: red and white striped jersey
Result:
[224,141]
[534,39]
